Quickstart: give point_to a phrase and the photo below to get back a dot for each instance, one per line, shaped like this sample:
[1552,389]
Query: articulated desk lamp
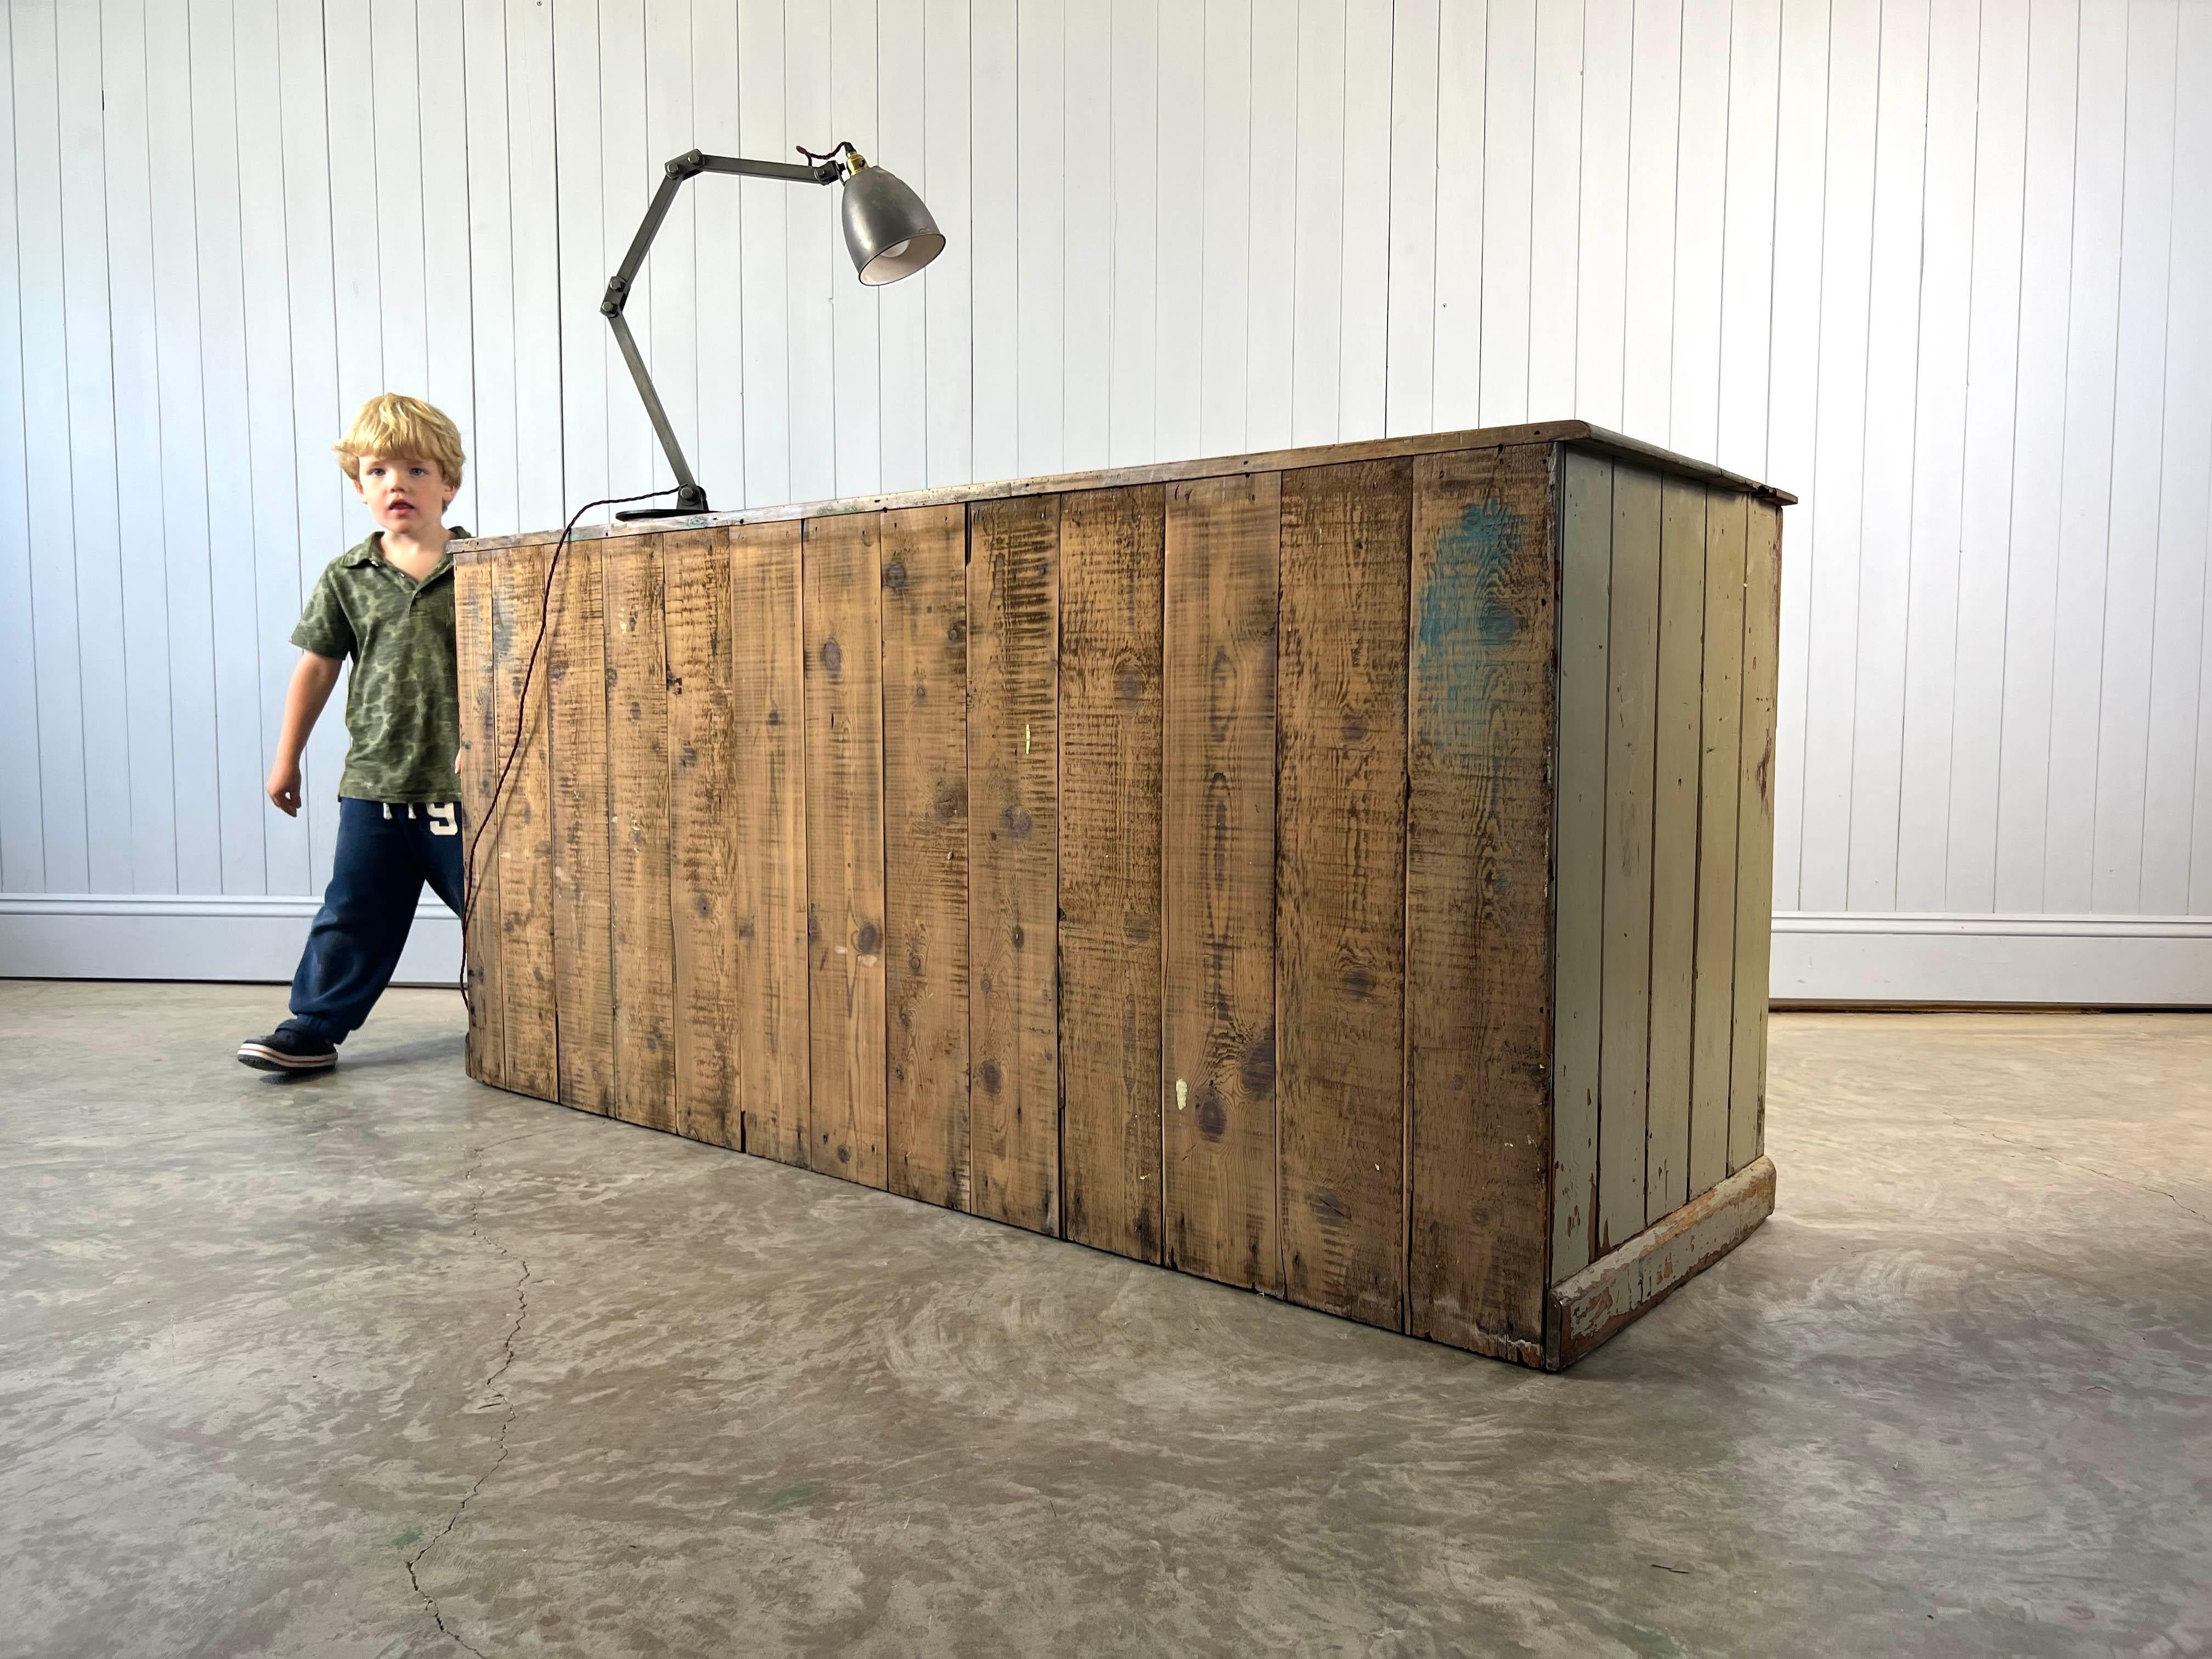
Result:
[888,232]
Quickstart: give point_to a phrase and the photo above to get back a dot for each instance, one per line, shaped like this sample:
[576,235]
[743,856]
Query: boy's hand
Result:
[284,788]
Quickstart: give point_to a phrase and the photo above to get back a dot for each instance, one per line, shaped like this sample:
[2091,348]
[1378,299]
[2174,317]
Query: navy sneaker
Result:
[288,1049]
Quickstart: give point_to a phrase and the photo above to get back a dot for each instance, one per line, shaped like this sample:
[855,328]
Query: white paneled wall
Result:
[1943,268]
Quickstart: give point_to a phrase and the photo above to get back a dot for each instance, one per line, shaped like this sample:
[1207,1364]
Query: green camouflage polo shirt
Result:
[403,702]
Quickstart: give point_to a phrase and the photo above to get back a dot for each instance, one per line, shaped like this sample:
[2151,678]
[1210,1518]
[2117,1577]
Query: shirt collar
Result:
[370,550]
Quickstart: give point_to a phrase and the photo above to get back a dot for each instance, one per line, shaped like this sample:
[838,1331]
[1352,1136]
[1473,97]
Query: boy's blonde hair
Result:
[403,428]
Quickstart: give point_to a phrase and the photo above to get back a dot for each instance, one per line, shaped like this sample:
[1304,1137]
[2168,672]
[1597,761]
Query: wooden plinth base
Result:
[1617,1288]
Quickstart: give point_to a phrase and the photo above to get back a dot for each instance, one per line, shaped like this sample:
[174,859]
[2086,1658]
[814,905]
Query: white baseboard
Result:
[2095,961]
[247,939]
[2142,961]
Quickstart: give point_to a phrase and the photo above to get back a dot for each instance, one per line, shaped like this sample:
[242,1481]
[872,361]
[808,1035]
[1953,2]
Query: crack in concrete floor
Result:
[2083,1169]
[507,1362]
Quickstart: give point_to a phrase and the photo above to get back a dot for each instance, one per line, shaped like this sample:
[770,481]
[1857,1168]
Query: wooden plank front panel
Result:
[1340,873]
[521,836]
[637,832]
[477,667]
[844,737]
[1713,1017]
[924,612]
[576,681]
[1675,845]
[1111,548]
[703,783]
[768,816]
[1585,693]
[1626,1021]
[1013,796]
[1217,833]
[1754,916]
[1478,876]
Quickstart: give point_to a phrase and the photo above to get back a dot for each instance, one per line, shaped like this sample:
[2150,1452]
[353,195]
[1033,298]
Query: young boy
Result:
[389,605]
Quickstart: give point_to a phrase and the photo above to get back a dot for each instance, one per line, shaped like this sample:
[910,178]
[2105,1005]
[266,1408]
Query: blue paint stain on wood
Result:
[1465,622]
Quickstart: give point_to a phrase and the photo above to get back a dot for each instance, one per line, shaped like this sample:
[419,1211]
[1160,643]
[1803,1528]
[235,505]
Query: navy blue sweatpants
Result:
[385,854]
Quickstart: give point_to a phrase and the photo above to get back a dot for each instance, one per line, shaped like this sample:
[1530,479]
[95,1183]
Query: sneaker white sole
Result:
[263,1058]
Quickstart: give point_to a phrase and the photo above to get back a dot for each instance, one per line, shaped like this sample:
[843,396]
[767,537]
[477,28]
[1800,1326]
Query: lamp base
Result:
[691,500]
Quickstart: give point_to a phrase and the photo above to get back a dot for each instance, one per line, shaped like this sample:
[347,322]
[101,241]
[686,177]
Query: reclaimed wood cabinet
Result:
[1342,873]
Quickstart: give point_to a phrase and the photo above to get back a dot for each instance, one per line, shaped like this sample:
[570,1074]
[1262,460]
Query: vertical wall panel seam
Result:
[877,83]
[1581,175]
[967,552]
[1973,253]
[737,210]
[375,191]
[1858,552]
[1482,239]
[1674,229]
[468,219]
[560,299]
[1911,481]
[1528,230]
[291,426]
[329,236]
[2158,499]
[67,485]
[1627,212]
[1773,238]
[207,510]
[1435,197]
[160,469]
[115,459]
[253,532]
[2112,455]
[422,194]
[1155,424]
[2204,708]
[38,726]
[1297,105]
[1389,263]
[1575,349]
[299,499]
[922,307]
[1112,284]
[2012,472]
[606,428]
[1063,348]
[1014,185]
[2066,392]
[2112,448]
[1728,148]
[1812,544]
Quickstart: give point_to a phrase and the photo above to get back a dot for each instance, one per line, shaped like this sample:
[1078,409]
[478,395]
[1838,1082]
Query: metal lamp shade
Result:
[888,231]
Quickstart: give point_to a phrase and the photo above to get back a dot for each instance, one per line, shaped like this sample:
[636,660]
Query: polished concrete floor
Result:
[384,1363]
